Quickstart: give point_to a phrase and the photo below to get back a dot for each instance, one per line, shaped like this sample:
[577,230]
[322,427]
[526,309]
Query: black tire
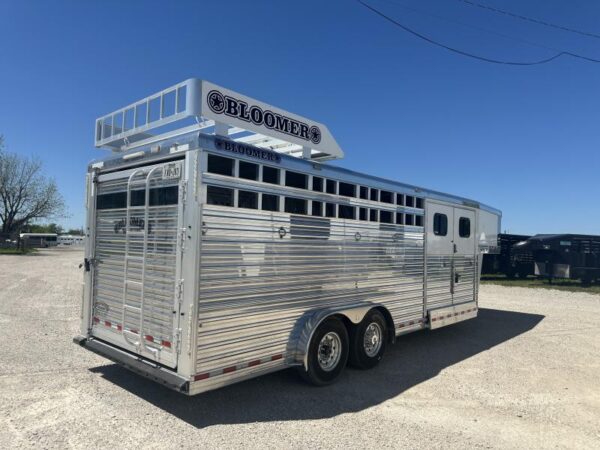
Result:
[315,373]
[359,357]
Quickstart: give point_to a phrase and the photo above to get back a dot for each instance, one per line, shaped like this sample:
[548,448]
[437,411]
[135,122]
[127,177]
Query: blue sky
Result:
[523,139]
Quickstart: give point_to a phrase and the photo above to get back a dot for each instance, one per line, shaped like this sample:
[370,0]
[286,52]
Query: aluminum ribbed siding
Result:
[439,280]
[256,284]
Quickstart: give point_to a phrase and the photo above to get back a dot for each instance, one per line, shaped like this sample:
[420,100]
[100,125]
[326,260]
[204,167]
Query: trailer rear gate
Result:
[137,261]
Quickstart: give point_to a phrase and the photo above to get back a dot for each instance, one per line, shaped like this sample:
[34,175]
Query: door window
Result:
[440,224]
[464,227]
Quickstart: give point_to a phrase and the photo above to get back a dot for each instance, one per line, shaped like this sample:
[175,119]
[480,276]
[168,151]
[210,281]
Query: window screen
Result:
[317,184]
[329,209]
[156,197]
[464,227]
[362,214]
[331,186]
[419,203]
[364,192]
[112,201]
[295,179]
[220,165]
[219,196]
[347,189]
[374,194]
[295,205]
[440,224]
[385,216]
[386,197]
[270,202]
[409,200]
[373,215]
[400,218]
[317,208]
[248,170]
[399,199]
[419,221]
[346,212]
[409,219]
[247,199]
[270,175]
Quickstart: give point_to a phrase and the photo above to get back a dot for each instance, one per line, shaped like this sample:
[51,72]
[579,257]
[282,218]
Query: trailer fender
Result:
[309,322]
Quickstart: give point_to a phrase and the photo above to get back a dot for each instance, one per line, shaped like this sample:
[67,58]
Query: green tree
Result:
[26,194]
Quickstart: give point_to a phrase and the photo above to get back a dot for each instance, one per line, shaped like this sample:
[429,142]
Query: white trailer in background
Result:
[71,239]
[43,240]
[225,247]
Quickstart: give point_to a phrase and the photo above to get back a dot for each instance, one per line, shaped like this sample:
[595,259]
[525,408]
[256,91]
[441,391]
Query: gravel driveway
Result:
[524,374]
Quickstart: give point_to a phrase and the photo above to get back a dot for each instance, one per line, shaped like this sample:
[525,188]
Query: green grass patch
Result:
[533,282]
[16,251]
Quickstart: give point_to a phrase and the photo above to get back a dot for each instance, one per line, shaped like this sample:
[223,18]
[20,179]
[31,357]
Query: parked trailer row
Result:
[574,256]
[228,248]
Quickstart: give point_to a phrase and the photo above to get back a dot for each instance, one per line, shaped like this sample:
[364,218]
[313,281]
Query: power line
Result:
[530,19]
[471,55]
[475,27]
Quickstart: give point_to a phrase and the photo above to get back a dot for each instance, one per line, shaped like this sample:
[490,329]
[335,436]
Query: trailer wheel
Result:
[368,341]
[327,353]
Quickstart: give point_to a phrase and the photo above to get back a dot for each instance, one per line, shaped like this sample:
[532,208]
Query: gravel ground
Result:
[524,374]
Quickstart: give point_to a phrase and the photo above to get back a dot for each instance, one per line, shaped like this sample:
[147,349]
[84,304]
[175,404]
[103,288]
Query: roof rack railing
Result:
[219,111]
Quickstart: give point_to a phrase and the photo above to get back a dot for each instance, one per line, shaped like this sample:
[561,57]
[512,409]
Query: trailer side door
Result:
[450,258]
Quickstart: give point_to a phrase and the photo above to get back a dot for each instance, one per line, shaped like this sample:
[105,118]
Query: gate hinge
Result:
[182,236]
[183,192]
[179,293]
[177,338]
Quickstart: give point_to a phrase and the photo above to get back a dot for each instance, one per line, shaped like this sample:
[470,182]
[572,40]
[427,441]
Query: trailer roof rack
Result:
[200,105]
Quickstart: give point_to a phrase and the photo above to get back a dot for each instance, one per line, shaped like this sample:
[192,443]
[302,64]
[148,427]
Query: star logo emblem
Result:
[216,101]
[315,135]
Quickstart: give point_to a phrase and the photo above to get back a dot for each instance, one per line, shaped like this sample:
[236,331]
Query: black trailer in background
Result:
[574,256]
[507,262]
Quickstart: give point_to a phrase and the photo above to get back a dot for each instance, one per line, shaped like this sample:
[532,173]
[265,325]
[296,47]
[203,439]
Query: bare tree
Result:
[26,194]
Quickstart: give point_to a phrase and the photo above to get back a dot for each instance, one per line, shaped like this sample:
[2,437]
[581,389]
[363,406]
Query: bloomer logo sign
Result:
[224,104]
[247,150]
[135,224]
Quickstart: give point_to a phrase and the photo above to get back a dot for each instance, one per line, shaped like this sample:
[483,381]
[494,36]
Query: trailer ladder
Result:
[129,258]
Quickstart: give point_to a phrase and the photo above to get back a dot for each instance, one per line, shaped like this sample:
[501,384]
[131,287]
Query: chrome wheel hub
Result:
[373,339]
[329,351]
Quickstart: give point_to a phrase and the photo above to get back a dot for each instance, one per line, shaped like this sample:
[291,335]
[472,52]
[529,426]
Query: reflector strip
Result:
[412,322]
[230,369]
[460,313]
[118,327]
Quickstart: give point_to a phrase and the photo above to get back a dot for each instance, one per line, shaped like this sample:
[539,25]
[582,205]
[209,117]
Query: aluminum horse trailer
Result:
[223,246]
